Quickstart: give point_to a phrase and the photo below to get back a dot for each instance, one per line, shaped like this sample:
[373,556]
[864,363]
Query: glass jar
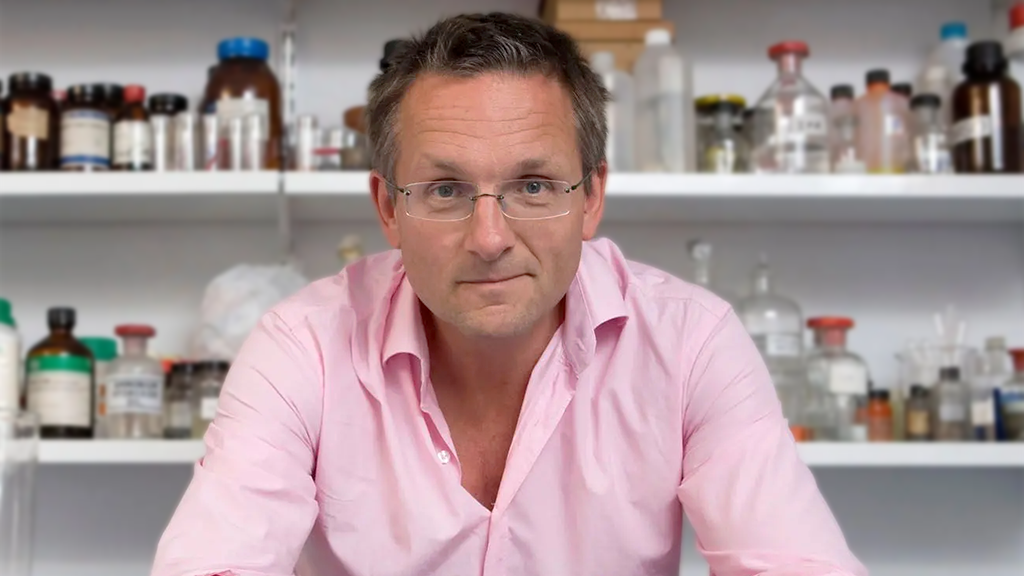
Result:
[163,109]
[950,407]
[133,137]
[135,395]
[32,124]
[930,149]
[843,132]
[212,374]
[85,129]
[179,399]
[918,427]
[987,114]
[104,351]
[724,151]
[241,85]
[774,322]
[791,125]
[841,373]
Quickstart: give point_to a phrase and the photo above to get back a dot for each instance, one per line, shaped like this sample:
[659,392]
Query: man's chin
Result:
[496,324]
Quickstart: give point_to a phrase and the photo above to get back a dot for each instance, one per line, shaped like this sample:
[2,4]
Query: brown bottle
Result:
[31,123]
[987,114]
[59,380]
[242,84]
[133,137]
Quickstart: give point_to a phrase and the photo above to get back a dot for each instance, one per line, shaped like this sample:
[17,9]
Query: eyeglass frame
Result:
[498,197]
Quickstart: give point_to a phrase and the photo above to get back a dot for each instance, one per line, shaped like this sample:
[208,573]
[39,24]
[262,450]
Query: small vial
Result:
[211,150]
[951,404]
[185,138]
[306,141]
[930,143]
[918,415]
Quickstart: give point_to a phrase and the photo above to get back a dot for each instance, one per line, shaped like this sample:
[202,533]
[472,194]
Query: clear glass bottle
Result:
[930,141]
[990,373]
[883,132]
[135,393]
[620,112]
[775,324]
[951,401]
[207,394]
[104,351]
[178,400]
[665,130]
[1011,400]
[700,252]
[725,151]
[918,426]
[843,374]
[843,132]
[791,122]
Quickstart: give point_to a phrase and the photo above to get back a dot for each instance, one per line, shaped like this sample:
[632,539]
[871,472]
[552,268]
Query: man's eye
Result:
[535,187]
[443,191]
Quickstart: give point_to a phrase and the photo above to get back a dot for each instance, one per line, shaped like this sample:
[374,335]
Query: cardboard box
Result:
[612,31]
[562,10]
[625,53]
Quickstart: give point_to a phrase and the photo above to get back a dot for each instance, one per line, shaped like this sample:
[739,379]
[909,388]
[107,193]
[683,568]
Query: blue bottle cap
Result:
[243,48]
[953,30]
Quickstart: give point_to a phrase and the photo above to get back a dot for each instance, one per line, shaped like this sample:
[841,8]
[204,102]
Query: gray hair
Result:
[473,44]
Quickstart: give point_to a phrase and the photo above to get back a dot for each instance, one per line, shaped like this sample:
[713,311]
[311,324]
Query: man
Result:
[500,395]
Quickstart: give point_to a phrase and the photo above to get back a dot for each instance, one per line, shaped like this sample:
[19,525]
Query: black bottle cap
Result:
[842,91]
[880,394]
[391,47]
[925,100]
[949,373]
[918,391]
[903,88]
[167,103]
[86,94]
[113,94]
[984,57]
[184,368]
[29,82]
[877,76]
[60,317]
[214,365]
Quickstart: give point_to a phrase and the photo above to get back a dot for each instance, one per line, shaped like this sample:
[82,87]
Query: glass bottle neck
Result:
[830,339]
[61,331]
[135,345]
[762,281]
[789,64]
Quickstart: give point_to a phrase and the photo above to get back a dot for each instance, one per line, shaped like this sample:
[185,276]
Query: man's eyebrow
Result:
[521,167]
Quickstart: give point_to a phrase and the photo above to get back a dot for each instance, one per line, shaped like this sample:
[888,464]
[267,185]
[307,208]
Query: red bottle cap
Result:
[134,93]
[1017,16]
[1018,358]
[830,322]
[135,330]
[789,47]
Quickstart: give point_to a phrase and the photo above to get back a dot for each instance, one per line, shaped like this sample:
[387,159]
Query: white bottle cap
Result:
[603,61]
[658,36]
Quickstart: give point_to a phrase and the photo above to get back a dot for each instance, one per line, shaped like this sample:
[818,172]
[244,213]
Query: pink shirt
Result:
[329,450]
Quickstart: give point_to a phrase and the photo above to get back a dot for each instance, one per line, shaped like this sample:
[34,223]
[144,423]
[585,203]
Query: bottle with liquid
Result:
[843,374]
[942,71]
[1014,47]
[930,143]
[843,132]
[880,416]
[791,122]
[104,351]
[619,112]
[59,380]
[951,402]
[133,139]
[883,132]
[665,130]
[724,151]
[918,410]
[10,360]
[987,114]
[1011,400]
[135,384]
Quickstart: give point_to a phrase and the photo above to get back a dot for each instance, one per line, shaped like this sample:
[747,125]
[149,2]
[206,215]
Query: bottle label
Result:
[135,394]
[973,128]
[1012,403]
[952,412]
[917,423]
[786,345]
[230,108]
[60,390]
[802,126]
[208,409]
[616,10]
[180,415]
[29,122]
[983,412]
[893,125]
[848,379]
[85,139]
[133,143]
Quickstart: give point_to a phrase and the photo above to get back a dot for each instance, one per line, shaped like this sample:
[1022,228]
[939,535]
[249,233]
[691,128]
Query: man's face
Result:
[488,275]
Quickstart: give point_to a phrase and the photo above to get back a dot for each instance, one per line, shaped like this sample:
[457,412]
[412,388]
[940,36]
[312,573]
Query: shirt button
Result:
[444,456]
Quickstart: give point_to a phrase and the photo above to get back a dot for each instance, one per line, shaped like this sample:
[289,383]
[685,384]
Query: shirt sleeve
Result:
[251,503]
[754,505]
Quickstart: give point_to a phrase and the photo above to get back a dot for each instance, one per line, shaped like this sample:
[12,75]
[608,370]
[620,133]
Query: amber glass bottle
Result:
[987,114]
[59,383]
[31,123]
[133,139]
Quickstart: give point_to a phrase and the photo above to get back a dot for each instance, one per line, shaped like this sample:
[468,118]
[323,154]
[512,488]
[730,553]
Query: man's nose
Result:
[489,232]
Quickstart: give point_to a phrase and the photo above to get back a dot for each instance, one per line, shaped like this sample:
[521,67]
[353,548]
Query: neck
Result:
[479,375]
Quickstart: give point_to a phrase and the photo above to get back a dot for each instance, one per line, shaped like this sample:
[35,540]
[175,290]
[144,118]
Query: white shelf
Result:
[636,197]
[58,197]
[819,455]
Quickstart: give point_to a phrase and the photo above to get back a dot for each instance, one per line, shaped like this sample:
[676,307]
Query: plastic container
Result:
[942,70]
[930,142]
[883,131]
[791,122]
[59,384]
[620,112]
[10,359]
[32,124]
[135,388]
[987,115]
[19,446]
[665,129]
[844,375]
[242,84]
[133,136]
[104,351]
[843,132]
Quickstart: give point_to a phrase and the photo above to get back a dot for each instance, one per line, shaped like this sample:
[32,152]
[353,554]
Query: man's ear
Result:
[384,201]
[593,206]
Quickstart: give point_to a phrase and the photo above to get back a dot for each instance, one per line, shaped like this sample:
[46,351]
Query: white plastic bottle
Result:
[943,69]
[621,113]
[665,130]
[10,357]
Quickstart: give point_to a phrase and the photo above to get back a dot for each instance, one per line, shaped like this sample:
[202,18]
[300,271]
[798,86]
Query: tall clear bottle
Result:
[842,374]
[620,112]
[843,131]
[1011,400]
[775,323]
[930,148]
[135,393]
[791,119]
[883,134]
[665,129]
[989,374]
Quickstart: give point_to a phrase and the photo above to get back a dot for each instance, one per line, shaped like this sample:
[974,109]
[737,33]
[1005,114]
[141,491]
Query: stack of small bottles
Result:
[948,391]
